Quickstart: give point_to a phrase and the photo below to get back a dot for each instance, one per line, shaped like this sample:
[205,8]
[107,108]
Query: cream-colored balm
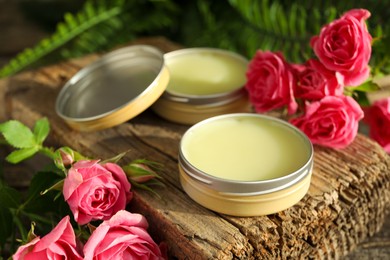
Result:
[245,148]
[205,72]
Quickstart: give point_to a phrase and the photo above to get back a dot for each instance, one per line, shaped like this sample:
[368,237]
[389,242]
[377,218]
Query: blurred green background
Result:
[61,29]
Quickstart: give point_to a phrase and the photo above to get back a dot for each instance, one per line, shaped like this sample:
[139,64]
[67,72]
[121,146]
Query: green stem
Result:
[47,151]
[37,217]
[20,226]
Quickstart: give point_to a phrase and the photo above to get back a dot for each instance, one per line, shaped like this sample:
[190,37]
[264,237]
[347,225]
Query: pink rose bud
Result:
[271,82]
[333,121]
[60,243]
[139,172]
[344,46]
[67,155]
[378,118]
[124,236]
[94,191]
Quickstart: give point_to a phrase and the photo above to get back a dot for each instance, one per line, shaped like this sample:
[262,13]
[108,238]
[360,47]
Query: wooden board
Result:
[347,200]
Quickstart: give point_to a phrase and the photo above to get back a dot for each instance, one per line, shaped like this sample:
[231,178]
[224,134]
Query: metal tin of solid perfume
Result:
[204,82]
[245,164]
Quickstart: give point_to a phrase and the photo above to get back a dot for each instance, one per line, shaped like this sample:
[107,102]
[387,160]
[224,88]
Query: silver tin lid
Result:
[113,89]
[248,188]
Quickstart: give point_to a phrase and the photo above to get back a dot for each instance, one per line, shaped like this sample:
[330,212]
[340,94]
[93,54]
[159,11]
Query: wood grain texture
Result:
[346,203]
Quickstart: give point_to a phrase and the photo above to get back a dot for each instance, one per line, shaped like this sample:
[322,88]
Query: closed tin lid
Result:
[115,88]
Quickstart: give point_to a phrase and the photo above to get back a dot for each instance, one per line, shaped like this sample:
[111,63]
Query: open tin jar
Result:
[245,164]
[204,82]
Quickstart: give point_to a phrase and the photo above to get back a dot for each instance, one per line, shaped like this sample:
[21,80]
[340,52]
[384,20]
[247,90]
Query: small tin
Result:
[115,88]
[245,164]
[204,82]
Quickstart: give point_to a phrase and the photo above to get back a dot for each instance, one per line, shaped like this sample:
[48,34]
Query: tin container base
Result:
[244,206]
[187,114]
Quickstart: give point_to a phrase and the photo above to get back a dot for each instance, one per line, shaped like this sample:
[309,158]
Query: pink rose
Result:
[270,82]
[378,118]
[344,46]
[124,236]
[94,191]
[60,243]
[332,121]
[316,82]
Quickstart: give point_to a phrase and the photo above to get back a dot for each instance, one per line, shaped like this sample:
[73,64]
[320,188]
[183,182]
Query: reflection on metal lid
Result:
[114,89]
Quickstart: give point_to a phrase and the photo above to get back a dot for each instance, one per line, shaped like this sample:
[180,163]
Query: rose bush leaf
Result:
[22,154]
[41,130]
[114,159]
[368,86]
[17,134]
[5,227]
[361,98]
[9,197]
[40,182]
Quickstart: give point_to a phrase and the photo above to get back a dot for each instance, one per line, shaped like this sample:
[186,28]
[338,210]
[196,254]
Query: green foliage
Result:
[9,197]
[16,208]
[5,227]
[243,26]
[23,139]
[17,134]
[42,206]
[100,25]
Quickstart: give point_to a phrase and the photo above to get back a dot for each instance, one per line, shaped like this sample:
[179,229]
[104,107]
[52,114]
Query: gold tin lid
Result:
[115,88]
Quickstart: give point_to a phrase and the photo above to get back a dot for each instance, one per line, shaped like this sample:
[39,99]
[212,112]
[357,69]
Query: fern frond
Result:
[98,26]
[287,26]
[279,27]
[73,26]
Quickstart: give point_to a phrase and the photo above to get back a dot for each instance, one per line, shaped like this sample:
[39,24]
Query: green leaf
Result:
[17,134]
[6,226]
[114,159]
[368,86]
[41,130]
[45,205]
[361,98]
[57,186]
[22,154]
[40,182]
[147,188]
[9,197]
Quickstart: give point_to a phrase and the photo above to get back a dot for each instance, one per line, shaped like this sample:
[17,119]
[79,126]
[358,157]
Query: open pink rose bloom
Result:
[378,118]
[271,82]
[344,46]
[60,243]
[313,92]
[333,121]
[96,192]
[315,81]
[124,236]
